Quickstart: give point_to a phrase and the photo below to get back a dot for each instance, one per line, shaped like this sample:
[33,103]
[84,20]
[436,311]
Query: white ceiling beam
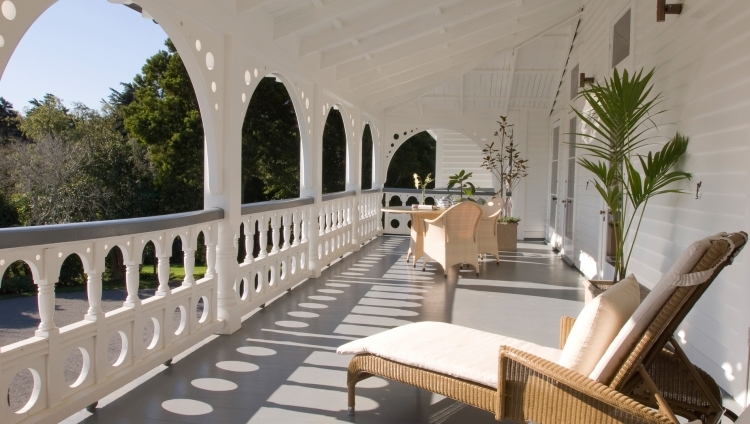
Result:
[421,108]
[286,25]
[458,38]
[245,6]
[389,77]
[389,15]
[424,26]
[317,3]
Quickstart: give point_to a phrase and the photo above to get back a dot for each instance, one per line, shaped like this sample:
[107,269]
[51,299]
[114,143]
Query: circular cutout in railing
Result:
[179,320]
[117,348]
[243,289]
[151,332]
[76,367]
[408,224]
[24,390]
[282,270]
[294,265]
[258,282]
[201,310]
[271,276]
[412,201]
[302,260]
[395,223]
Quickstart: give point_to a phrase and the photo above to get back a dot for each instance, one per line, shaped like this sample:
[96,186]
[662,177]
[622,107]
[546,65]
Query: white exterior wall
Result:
[459,152]
[702,59]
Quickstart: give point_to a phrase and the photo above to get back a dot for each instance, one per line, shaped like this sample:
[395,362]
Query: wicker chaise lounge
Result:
[642,368]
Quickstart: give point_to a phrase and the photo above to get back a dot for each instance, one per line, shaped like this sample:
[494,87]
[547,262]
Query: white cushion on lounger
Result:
[445,348]
[636,326]
[598,324]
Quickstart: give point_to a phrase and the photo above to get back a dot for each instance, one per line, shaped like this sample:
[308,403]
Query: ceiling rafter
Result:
[286,25]
[447,60]
[510,84]
[425,26]
[388,16]
[459,38]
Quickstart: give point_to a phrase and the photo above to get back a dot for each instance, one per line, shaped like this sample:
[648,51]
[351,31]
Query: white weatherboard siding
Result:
[459,152]
[702,59]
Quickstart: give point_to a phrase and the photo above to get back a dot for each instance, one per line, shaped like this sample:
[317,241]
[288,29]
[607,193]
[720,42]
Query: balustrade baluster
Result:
[328,219]
[189,262]
[94,293]
[131,283]
[304,225]
[287,231]
[46,302]
[210,259]
[263,239]
[163,273]
[321,221]
[275,233]
[296,226]
[249,230]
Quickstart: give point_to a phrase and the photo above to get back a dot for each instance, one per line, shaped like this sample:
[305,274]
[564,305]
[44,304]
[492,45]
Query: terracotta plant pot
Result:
[507,237]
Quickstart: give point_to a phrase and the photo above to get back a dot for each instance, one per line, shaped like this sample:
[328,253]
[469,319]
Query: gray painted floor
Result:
[281,367]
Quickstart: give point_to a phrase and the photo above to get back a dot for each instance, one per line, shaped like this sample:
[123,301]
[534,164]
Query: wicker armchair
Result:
[451,238]
[532,389]
[487,228]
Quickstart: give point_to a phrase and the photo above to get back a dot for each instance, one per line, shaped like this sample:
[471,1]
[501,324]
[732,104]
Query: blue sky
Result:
[77,50]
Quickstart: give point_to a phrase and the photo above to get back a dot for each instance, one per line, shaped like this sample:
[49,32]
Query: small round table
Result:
[416,244]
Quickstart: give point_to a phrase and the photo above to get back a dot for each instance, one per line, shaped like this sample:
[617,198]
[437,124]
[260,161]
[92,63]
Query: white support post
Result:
[189,264]
[163,274]
[131,283]
[226,266]
[296,225]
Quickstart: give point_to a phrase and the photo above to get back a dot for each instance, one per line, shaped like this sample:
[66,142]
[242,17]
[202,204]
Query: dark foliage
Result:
[367,158]
[416,155]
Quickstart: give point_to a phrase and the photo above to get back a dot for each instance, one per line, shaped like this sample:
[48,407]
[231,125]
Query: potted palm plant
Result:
[618,125]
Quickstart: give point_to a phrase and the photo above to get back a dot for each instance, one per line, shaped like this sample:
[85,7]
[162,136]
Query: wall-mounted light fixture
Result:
[663,9]
[583,80]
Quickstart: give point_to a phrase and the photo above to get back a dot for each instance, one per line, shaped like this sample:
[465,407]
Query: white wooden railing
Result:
[304,237]
[401,223]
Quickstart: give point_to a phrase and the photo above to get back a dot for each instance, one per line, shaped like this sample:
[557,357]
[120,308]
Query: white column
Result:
[189,263]
[46,302]
[249,229]
[226,266]
[287,230]
[295,224]
[263,239]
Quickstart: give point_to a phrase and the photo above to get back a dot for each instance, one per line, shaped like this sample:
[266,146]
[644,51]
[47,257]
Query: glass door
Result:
[552,235]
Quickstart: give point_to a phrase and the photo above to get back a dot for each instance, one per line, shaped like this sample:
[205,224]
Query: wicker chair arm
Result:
[566,324]
[534,389]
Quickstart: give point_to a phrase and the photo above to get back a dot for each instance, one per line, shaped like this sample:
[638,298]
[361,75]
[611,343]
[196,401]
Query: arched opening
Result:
[113,276]
[367,155]
[270,144]
[71,272]
[117,121]
[149,275]
[415,156]
[334,153]
[17,279]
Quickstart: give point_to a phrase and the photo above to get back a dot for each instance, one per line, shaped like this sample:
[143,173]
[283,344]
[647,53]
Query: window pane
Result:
[621,39]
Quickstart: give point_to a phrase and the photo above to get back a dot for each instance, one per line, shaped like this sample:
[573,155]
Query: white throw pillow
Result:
[636,326]
[598,324]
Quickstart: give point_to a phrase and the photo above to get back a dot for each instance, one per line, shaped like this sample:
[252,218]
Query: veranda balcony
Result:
[285,283]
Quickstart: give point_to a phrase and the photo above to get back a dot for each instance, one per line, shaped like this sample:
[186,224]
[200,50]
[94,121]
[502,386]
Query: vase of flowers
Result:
[419,184]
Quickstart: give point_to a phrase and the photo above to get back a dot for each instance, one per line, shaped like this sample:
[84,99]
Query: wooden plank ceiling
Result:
[460,54]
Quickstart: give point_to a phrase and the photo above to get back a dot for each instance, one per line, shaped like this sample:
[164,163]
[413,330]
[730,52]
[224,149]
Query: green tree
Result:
[334,153]
[164,116]
[270,145]
[47,119]
[9,123]
[416,155]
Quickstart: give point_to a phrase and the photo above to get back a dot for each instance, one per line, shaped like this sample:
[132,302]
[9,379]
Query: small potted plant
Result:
[507,234]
